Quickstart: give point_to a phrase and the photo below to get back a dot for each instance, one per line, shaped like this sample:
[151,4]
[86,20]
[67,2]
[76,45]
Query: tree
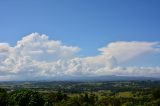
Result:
[3,97]
[55,98]
[156,93]
[104,101]
[27,98]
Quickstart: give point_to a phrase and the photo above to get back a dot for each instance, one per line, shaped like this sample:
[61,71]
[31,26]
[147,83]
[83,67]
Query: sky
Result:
[79,37]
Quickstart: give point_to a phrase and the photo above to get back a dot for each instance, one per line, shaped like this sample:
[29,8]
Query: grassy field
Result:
[124,94]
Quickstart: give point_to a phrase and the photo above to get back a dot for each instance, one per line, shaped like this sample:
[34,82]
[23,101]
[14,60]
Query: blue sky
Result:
[89,24]
[95,38]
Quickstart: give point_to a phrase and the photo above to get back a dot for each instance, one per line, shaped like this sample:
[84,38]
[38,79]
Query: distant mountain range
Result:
[93,78]
[103,78]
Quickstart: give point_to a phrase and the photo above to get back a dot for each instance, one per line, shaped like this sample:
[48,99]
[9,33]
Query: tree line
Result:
[34,98]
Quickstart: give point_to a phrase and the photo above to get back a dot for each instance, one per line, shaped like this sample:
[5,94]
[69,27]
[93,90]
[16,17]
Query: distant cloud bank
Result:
[36,57]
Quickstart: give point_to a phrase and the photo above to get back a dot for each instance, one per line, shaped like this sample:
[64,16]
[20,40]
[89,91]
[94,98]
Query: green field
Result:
[60,93]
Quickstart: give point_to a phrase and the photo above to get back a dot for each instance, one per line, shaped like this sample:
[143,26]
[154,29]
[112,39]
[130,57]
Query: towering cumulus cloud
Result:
[36,57]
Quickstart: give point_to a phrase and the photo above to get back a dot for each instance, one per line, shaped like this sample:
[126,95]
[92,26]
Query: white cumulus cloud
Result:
[125,51]
[35,57]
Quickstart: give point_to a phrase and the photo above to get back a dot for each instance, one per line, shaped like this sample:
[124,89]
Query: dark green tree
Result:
[156,93]
[3,97]
[27,98]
